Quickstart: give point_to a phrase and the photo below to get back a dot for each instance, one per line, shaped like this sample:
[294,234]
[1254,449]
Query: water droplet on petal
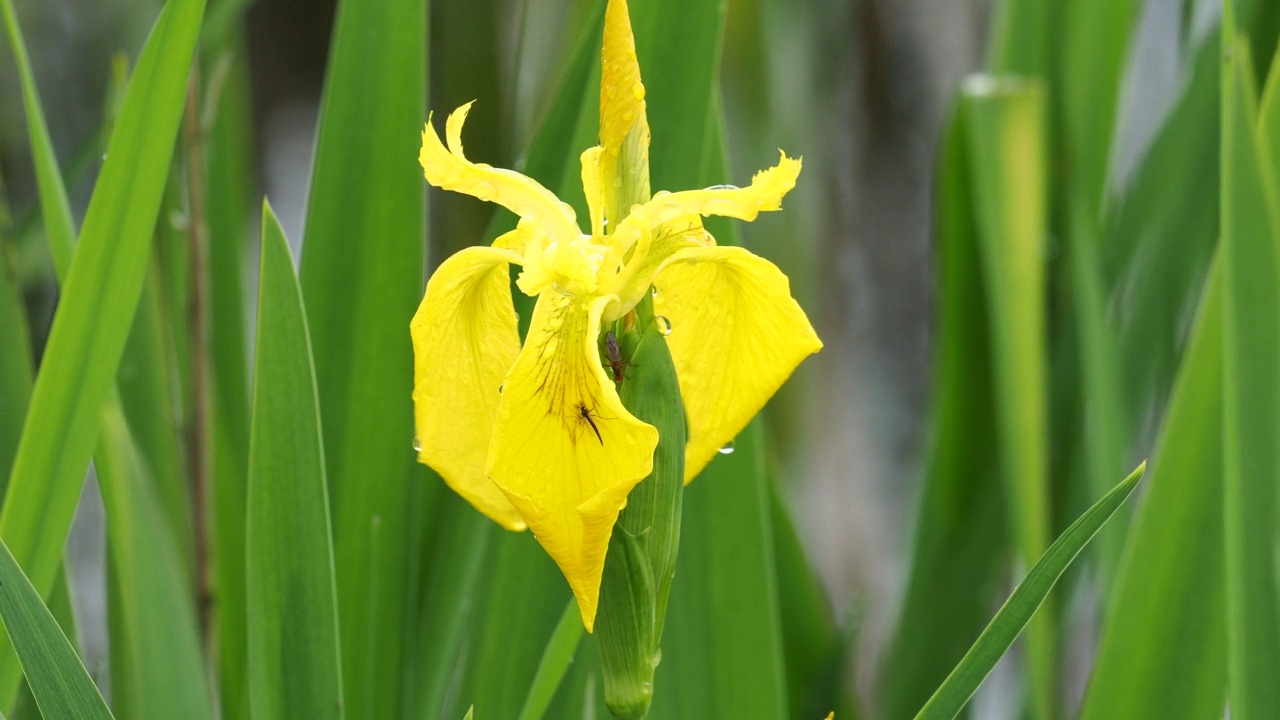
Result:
[724,187]
[654,288]
[727,449]
[417,445]
[500,387]
[664,325]
[628,116]
[638,91]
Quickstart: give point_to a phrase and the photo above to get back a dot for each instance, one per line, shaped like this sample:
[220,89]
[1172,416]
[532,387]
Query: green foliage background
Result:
[272,550]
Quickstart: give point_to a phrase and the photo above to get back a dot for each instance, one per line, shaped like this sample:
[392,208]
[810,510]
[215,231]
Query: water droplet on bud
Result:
[664,325]
[417,445]
[727,449]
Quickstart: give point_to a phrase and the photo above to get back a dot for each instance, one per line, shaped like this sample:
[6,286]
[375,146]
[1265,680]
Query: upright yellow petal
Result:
[565,450]
[449,169]
[651,251]
[464,341]
[624,125]
[593,188]
[736,335]
[764,193]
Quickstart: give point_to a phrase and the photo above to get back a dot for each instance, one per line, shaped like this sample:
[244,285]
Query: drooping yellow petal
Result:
[464,341]
[448,168]
[764,193]
[736,336]
[624,125]
[565,450]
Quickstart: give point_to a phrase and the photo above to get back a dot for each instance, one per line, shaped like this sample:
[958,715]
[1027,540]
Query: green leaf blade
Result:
[153,609]
[1163,647]
[951,697]
[1250,227]
[58,680]
[1005,125]
[92,320]
[362,269]
[294,665]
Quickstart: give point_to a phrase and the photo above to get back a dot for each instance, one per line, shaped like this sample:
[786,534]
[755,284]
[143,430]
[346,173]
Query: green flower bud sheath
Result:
[641,560]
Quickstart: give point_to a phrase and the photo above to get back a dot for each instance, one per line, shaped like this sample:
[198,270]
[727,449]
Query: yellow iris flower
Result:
[535,436]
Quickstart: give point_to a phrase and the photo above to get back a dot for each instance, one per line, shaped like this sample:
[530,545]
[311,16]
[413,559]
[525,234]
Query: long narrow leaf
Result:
[1005,126]
[362,270]
[1163,647]
[555,662]
[163,673]
[294,667]
[1250,227]
[98,300]
[58,680]
[951,697]
[961,520]
[55,207]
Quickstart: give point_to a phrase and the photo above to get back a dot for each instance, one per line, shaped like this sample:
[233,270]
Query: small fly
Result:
[616,363]
[586,415]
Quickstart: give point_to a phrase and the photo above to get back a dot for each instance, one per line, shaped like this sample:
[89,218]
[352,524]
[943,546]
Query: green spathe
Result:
[641,561]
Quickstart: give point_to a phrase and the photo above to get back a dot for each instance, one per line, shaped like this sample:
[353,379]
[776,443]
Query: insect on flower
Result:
[586,415]
[614,353]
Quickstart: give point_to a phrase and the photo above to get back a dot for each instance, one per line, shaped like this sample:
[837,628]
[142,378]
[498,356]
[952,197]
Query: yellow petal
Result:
[449,169]
[736,335]
[764,193]
[565,450]
[624,126]
[464,341]
[593,188]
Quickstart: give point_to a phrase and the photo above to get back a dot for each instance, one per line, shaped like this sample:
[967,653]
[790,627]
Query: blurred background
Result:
[861,89]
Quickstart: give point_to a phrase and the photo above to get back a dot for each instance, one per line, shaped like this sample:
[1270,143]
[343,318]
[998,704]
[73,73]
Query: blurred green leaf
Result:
[294,665]
[58,680]
[101,292]
[146,385]
[815,647]
[1022,605]
[722,651]
[555,662]
[54,206]
[1019,42]
[1004,128]
[1250,227]
[960,522]
[520,600]
[15,369]
[1162,652]
[1094,46]
[230,183]
[163,675]
[362,266]
[1159,234]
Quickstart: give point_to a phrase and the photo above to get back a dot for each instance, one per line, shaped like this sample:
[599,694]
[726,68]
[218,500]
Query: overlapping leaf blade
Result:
[99,297]
[361,272]
[294,666]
